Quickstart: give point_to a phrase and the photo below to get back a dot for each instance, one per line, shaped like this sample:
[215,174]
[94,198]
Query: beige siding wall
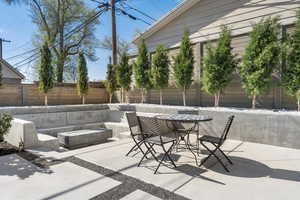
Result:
[204,19]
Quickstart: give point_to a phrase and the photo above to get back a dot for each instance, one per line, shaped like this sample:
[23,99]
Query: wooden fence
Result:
[233,96]
[66,93]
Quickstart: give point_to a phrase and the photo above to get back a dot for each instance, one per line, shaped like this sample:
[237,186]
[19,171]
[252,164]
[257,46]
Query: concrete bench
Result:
[81,138]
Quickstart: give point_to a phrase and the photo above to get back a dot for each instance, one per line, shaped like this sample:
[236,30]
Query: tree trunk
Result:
[127,96]
[122,94]
[183,96]
[142,93]
[254,102]
[217,99]
[83,99]
[60,70]
[61,44]
[110,98]
[46,100]
[160,95]
[298,104]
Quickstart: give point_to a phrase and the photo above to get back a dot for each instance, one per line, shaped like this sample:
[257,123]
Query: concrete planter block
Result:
[80,138]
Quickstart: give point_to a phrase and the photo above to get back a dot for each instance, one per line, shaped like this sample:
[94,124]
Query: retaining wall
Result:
[259,126]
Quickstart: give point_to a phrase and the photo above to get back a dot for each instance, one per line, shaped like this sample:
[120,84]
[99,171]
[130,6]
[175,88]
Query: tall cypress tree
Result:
[291,75]
[124,72]
[261,58]
[142,69]
[111,81]
[82,80]
[184,66]
[160,69]
[219,65]
[45,72]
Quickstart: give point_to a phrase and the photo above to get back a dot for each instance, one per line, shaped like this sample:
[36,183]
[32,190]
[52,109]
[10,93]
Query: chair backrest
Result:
[149,126]
[226,129]
[189,112]
[133,123]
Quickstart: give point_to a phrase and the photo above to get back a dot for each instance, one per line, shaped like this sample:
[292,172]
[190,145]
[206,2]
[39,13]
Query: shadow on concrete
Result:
[195,172]
[13,165]
[247,168]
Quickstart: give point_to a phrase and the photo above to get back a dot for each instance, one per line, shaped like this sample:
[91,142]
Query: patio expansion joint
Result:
[129,184]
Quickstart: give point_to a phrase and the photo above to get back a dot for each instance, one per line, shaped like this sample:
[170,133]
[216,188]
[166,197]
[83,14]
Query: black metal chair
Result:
[217,142]
[135,132]
[152,136]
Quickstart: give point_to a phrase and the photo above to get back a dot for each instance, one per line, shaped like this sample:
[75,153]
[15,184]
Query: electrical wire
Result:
[132,17]
[137,10]
[36,55]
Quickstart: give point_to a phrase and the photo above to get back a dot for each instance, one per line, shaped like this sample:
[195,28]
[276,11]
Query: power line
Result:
[78,27]
[36,55]
[137,10]
[133,17]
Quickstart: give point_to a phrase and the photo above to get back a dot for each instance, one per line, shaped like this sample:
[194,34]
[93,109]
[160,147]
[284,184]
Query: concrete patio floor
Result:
[103,172]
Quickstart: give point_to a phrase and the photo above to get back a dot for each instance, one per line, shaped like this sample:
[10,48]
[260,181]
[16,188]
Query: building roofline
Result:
[12,68]
[166,19]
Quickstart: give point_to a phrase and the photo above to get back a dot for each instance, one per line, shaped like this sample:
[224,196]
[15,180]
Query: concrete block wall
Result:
[58,116]
[266,127]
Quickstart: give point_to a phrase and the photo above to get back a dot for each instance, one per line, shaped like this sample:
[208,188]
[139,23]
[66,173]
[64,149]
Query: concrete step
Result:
[117,127]
[82,138]
[124,135]
[48,141]
[54,131]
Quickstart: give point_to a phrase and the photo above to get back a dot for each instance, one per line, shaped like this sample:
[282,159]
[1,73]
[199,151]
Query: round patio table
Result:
[188,119]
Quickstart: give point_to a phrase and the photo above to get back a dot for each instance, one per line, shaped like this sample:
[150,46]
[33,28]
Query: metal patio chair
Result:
[152,136]
[135,132]
[217,142]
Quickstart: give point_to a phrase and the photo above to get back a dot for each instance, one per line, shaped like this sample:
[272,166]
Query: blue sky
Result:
[16,26]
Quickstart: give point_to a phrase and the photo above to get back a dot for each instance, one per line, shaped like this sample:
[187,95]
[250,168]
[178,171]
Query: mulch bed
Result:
[6,149]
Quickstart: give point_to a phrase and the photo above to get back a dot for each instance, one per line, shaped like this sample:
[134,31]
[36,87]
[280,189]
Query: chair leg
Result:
[228,159]
[147,152]
[150,148]
[137,145]
[133,148]
[213,153]
[163,158]
[168,154]
[207,157]
[143,157]
[197,142]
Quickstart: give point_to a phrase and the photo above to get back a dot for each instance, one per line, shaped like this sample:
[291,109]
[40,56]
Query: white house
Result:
[10,75]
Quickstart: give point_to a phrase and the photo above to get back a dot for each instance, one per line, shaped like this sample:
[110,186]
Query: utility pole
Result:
[114,33]
[1,43]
